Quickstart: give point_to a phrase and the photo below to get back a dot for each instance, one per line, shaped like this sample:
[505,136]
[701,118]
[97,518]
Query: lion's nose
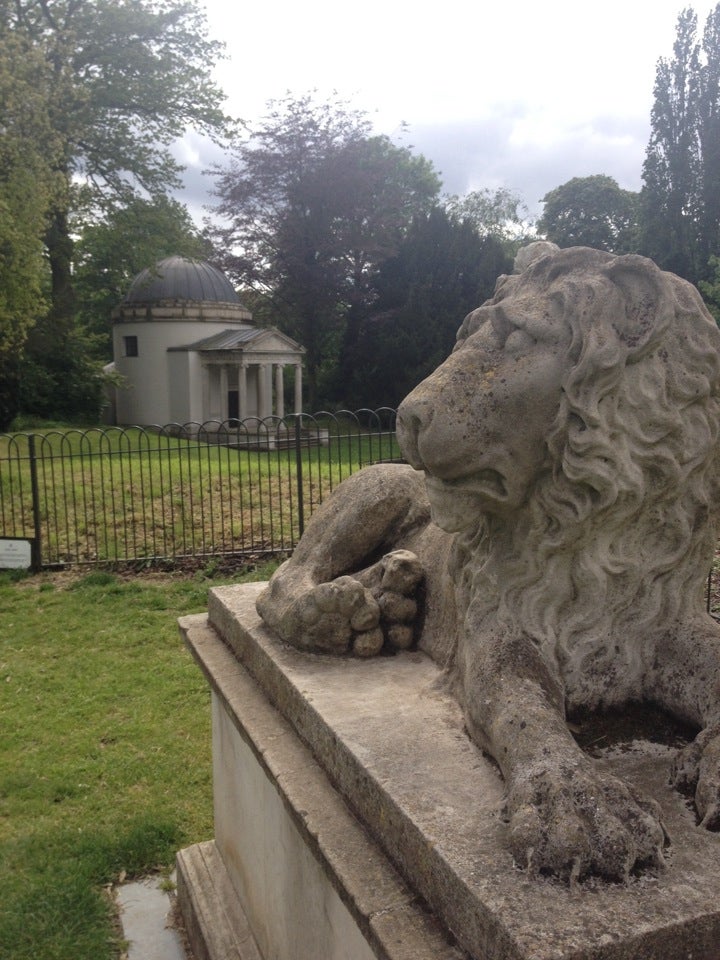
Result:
[413,416]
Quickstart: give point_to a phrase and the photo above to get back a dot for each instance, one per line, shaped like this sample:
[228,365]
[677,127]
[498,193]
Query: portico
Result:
[246,378]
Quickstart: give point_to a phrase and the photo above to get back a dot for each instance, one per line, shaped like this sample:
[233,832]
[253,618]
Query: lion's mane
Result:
[620,528]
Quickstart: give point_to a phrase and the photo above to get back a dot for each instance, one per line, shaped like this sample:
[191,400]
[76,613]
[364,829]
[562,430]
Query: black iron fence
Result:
[209,490]
[185,492]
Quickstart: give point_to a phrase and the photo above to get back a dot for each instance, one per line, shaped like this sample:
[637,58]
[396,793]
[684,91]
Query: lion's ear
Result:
[644,308]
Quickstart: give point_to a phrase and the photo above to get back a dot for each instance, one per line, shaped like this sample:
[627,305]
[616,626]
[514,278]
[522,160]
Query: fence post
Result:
[36,559]
[299,473]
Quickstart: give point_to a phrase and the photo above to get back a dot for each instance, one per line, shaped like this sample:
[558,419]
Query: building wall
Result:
[146,399]
[180,407]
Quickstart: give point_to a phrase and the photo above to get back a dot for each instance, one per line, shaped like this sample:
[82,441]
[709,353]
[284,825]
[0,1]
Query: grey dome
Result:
[178,278]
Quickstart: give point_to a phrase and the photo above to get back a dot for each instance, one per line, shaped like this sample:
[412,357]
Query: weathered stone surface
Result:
[392,741]
[563,511]
[348,614]
[215,923]
[292,874]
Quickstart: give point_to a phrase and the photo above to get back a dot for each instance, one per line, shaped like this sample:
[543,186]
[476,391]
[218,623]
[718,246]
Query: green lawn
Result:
[105,759]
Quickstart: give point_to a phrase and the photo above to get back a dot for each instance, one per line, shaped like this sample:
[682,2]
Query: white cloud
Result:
[524,94]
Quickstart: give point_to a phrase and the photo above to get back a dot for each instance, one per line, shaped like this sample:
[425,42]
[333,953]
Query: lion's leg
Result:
[565,816]
[686,683]
[334,595]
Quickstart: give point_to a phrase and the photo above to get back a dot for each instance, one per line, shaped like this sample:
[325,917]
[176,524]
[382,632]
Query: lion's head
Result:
[571,440]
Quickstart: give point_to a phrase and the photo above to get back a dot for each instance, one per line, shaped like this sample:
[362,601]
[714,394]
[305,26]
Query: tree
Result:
[591,212]
[312,202]
[443,269]
[120,80]
[710,288]
[671,171]
[709,142]
[680,199]
[26,185]
[499,213]
[110,251]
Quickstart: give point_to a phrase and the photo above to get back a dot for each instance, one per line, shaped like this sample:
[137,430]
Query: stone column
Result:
[205,392]
[279,391]
[298,388]
[242,391]
[223,392]
[262,391]
[268,390]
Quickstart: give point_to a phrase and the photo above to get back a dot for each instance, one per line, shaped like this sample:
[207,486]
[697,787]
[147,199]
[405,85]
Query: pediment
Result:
[270,340]
[247,340]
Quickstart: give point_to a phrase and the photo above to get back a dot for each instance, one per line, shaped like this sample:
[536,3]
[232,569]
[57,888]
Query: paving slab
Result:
[145,915]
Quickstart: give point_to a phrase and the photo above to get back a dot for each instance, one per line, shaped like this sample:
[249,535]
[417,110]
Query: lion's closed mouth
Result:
[483,483]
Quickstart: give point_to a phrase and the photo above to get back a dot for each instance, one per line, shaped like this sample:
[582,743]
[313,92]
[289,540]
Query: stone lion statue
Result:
[547,544]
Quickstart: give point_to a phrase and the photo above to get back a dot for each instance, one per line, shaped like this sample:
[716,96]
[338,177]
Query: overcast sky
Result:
[523,94]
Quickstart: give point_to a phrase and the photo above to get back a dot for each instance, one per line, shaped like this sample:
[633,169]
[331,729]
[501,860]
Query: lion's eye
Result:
[519,341]
[501,326]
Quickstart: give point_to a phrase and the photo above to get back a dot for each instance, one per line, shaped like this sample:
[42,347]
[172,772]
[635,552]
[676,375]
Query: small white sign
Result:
[15,554]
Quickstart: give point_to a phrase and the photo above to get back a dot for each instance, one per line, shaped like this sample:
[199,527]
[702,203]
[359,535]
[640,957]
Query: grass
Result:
[105,765]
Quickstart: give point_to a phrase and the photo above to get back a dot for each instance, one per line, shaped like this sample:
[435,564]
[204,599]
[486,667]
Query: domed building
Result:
[189,353]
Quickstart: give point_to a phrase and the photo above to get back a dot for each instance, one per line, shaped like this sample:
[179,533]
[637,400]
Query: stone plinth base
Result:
[291,873]
[215,923]
[354,819]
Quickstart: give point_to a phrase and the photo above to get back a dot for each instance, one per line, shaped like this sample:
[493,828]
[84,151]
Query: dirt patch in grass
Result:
[247,568]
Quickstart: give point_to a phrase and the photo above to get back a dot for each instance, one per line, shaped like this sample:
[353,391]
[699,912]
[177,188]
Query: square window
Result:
[131,346]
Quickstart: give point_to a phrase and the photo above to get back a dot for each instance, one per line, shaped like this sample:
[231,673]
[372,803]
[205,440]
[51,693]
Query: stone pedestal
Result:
[355,819]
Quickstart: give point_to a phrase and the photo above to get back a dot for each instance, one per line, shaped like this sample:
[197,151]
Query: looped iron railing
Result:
[179,491]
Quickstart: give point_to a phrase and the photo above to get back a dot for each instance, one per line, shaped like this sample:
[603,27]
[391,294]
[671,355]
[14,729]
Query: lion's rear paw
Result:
[696,770]
[400,574]
[577,822]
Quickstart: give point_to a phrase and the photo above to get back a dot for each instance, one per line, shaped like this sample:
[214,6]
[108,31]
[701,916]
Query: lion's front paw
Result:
[358,614]
[339,617]
[696,771]
[573,822]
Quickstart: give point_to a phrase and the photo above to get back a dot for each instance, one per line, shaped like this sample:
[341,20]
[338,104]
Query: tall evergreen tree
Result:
[709,141]
[680,199]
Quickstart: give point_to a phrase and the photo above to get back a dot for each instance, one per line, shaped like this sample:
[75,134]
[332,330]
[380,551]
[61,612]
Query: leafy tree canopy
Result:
[122,80]
[311,203]
[591,212]
[115,82]
[442,269]
[113,249]
[499,213]
[26,188]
